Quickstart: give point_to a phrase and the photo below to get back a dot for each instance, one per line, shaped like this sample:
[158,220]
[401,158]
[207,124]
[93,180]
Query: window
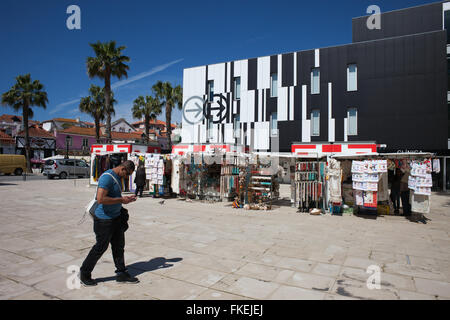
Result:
[352,77]
[315,123]
[274,124]
[121,129]
[447,24]
[315,81]
[210,90]
[352,127]
[237,88]
[274,85]
[237,126]
[85,142]
[210,128]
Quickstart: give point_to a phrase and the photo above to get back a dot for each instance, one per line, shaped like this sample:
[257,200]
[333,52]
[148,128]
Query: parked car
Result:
[12,163]
[64,168]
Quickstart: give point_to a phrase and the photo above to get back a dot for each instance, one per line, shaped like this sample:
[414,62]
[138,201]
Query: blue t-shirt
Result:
[107,182]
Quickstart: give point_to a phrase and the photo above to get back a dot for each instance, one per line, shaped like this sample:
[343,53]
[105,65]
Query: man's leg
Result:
[141,191]
[118,246]
[103,233]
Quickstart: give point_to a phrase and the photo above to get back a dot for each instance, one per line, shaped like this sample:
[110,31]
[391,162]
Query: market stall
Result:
[109,156]
[375,183]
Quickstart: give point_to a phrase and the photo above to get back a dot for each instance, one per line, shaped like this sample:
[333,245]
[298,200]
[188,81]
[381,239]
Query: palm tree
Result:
[95,107]
[170,96]
[21,97]
[108,62]
[148,108]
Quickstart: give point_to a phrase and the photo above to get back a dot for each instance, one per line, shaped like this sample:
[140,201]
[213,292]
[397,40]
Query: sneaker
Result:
[125,277]
[87,281]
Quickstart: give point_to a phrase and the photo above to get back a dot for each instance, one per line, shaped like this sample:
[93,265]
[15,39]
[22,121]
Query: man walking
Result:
[110,224]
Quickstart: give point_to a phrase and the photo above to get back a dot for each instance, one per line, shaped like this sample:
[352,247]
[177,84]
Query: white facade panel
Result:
[263,73]
[282,104]
[345,130]
[291,103]
[194,80]
[244,76]
[237,69]
[261,134]
[280,73]
[203,133]
[187,133]
[216,72]
[250,107]
[306,130]
[331,130]
[317,58]
[295,69]
[260,106]
[304,101]
[228,133]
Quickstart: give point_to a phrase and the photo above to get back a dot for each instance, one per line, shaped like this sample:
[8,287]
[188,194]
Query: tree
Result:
[108,62]
[95,107]
[24,94]
[170,97]
[148,108]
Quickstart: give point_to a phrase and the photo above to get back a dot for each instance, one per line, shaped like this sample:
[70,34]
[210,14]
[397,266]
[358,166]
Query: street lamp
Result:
[67,146]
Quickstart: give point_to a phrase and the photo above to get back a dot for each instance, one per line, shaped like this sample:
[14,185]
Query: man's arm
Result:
[102,198]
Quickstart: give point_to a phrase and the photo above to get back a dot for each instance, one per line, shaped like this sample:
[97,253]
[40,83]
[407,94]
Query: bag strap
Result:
[120,186]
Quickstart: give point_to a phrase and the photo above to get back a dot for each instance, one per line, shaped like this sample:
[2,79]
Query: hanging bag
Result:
[93,204]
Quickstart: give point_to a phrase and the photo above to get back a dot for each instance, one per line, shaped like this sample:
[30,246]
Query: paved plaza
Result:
[184,250]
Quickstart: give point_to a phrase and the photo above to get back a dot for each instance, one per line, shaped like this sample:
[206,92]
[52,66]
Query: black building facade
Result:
[389,86]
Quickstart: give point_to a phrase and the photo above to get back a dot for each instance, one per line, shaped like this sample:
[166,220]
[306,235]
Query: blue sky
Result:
[162,38]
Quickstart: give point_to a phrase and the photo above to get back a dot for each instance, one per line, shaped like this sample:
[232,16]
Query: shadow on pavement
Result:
[138,268]
[7,184]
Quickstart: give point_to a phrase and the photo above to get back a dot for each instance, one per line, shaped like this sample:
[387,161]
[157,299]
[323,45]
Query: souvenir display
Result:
[309,177]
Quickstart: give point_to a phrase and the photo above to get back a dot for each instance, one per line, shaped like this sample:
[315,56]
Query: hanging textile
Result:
[436,165]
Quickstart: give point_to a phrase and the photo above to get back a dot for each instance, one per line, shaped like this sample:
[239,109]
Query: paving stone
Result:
[196,275]
[296,264]
[56,258]
[324,269]
[202,250]
[360,263]
[252,288]
[219,295]
[10,289]
[310,281]
[432,287]
[409,295]
[295,293]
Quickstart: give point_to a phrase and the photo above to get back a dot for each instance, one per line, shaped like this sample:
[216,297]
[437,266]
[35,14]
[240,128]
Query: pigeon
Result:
[161,202]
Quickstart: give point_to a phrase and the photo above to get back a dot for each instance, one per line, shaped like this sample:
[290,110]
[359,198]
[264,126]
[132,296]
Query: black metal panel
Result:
[401,96]
[287,65]
[252,74]
[397,23]
[274,64]
[289,132]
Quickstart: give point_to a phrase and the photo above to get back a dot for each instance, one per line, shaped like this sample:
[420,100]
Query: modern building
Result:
[389,87]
